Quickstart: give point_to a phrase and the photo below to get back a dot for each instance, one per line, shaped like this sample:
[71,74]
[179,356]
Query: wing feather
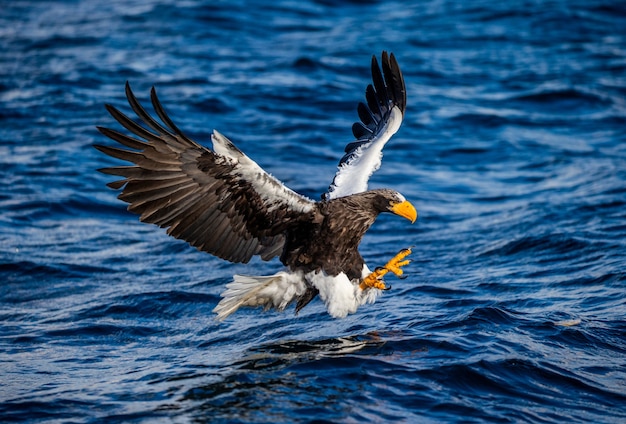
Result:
[219,201]
[373,103]
[123,139]
[366,116]
[380,118]
[382,94]
[158,108]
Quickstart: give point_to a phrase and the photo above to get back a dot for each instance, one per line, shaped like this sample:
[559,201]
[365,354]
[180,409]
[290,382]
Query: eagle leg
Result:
[375,278]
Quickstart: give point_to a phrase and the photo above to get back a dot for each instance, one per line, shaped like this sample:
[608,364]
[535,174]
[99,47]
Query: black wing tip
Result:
[100,147]
[394,79]
[127,88]
[130,94]
[386,92]
[147,127]
[105,131]
[128,91]
[111,109]
[116,185]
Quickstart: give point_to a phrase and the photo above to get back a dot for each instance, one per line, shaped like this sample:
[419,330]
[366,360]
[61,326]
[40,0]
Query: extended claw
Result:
[398,261]
[375,279]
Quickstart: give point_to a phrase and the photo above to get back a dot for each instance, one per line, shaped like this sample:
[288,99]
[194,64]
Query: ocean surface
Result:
[513,150]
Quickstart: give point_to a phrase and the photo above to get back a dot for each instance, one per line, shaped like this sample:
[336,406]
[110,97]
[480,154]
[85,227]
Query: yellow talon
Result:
[398,261]
[374,279]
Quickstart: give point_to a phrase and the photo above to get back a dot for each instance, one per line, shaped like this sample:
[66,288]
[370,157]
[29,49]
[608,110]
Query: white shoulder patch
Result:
[273,192]
[224,147]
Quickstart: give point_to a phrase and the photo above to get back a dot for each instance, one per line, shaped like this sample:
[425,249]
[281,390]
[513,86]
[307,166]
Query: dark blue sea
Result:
[513,150]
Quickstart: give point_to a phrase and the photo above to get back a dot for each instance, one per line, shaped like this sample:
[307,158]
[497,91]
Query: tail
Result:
[272,291]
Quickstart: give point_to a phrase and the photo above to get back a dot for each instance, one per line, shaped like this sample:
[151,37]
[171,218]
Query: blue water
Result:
[513,150]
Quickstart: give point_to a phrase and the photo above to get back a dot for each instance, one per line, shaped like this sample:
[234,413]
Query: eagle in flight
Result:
[221,202]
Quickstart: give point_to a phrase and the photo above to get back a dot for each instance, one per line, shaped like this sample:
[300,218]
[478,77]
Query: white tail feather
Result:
[271,291]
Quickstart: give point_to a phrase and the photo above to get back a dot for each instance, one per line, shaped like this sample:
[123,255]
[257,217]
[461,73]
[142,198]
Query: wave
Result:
[565,98]
[538,246]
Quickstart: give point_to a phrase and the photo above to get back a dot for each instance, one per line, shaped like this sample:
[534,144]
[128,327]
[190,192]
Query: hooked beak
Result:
[406,210]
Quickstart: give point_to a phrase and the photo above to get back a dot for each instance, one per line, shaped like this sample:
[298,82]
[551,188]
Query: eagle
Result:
[222,202]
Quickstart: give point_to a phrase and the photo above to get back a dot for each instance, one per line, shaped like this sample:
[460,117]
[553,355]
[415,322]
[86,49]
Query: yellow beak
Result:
[406,210]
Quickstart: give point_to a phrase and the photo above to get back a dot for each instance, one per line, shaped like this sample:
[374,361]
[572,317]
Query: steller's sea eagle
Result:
[221,202]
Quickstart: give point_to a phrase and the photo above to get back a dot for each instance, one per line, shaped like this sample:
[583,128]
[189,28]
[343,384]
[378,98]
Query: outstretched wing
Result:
[219,201]
[380,119]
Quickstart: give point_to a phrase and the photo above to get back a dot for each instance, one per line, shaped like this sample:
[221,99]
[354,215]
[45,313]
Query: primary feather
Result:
[197,193]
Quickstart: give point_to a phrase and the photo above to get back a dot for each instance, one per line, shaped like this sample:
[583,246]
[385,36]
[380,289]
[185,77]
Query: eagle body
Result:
[222,202]
[337,228]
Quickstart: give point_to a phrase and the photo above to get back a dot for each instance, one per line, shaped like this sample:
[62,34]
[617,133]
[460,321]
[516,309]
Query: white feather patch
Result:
[340,295]
[224,147]
[273,192]
[352,176]
[272,291]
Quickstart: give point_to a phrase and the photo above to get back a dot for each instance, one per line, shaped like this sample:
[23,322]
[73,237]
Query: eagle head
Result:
[386,200]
